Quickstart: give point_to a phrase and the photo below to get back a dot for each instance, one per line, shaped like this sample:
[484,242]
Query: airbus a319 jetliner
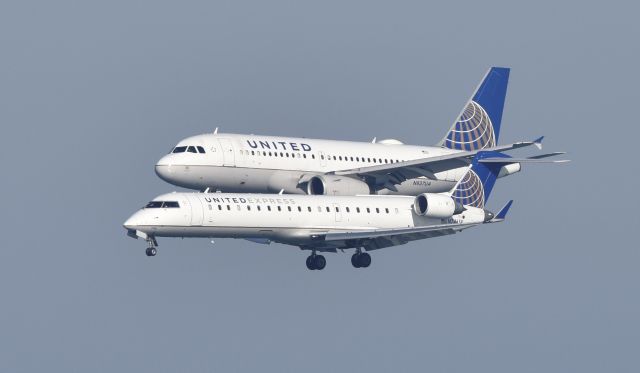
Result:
[325,223]
[267,164]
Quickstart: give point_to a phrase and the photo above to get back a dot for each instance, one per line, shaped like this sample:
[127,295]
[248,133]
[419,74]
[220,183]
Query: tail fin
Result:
[478,125]
[476,185]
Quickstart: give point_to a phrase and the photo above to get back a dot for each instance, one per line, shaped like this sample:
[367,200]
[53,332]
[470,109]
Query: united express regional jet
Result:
[326,223]
[266,164]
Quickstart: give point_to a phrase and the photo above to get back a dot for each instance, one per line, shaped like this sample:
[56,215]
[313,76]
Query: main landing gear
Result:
[360,259]
[316,261]
[151,250]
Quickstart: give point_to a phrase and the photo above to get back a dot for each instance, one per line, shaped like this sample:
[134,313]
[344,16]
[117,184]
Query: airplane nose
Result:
[134,221]
[164,172]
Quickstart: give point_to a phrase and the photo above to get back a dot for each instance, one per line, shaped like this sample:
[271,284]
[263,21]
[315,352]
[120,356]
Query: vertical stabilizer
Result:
[478,125]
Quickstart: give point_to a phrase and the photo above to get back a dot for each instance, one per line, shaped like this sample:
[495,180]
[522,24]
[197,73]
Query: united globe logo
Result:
[472,131]
[469,191]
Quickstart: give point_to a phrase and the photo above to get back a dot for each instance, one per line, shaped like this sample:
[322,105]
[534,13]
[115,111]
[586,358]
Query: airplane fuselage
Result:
[298,220]
[268,164]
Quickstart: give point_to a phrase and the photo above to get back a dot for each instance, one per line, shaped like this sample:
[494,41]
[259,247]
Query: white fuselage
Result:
[268,164]
[291,219]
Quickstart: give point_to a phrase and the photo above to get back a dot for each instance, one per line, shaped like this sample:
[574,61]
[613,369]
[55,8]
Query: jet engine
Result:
[336,186]
[509,169]
[434,205]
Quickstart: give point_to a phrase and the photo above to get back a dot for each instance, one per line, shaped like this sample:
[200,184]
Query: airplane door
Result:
[228,156]
[197,211]
[338,212]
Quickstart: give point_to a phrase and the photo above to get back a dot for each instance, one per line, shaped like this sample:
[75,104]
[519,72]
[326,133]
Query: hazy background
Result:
[93,93]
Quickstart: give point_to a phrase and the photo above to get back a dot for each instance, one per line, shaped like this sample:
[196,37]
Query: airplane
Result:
[267,164]
[326,223]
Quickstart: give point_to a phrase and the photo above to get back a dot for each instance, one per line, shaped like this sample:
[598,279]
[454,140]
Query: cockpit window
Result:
[192,149]
[180,149]
[200,149]
[159,204]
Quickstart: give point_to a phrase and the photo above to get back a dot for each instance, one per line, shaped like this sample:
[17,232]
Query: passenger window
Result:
[368,211]
[289,208]
[191,149]
[377,210]
[239,207]
[253,152]
[279,208]
[309,208]
[299,209]
[258,207]
[228,207]
[180,149]
[219,207]
[328,210]
[313,156]
[210,208]
[347,209]
[269,208]
[248,208]
[358,210]
[304,156]
[337,209]
[340,157]
[386,210]
[319,209]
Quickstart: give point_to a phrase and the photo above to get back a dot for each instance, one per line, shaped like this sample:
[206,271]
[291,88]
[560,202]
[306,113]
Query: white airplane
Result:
[266,164]
[326,223]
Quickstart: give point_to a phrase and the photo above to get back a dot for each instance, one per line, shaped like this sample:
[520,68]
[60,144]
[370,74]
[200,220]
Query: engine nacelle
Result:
[434,205]
[336,186]
[509,169]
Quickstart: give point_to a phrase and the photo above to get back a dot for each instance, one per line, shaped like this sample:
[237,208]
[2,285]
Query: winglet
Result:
[502,214]
[538,142]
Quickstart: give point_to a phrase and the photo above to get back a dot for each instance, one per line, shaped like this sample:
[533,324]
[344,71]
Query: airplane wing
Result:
[380,238]
[390,174]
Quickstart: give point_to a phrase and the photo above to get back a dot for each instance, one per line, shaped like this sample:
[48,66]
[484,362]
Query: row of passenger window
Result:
[163,204]
[368,210]
[188,149]
[323,157]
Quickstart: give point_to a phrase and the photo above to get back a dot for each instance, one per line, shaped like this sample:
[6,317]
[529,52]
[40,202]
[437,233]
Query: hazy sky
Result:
[93,93]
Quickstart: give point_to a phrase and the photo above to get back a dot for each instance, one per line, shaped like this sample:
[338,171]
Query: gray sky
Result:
[93,93]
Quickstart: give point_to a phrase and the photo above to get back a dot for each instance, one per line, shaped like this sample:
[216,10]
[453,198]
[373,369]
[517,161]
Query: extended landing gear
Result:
[315,261]
[151,250]
[360,259]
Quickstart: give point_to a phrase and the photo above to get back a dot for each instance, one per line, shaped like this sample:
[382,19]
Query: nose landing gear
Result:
[151,250]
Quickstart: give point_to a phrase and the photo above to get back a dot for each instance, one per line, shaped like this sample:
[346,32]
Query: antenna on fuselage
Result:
[215,131]
[281,192]
[374,140]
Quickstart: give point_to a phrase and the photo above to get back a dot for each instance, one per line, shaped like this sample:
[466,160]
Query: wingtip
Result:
[538,142]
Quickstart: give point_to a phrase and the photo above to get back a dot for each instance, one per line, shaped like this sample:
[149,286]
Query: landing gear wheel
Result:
[319,262]
[151,251]
[310,263]
[364,260]
[354,260]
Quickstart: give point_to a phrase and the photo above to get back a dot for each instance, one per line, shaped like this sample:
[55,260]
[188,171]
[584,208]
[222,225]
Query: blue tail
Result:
[478,125]
[476,185]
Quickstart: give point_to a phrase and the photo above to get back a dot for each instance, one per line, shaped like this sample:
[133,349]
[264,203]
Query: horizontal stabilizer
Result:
[522,160]
[502,214]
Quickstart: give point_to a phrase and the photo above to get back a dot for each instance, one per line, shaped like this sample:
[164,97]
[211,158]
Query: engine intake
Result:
[434,205]
[336,186]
